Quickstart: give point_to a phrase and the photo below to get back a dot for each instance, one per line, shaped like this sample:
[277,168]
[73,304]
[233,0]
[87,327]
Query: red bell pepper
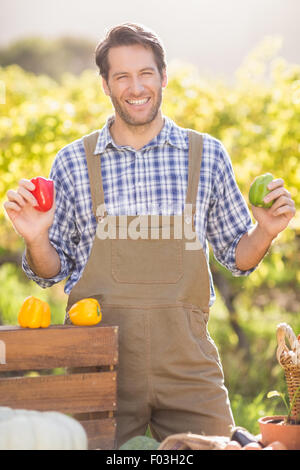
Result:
[43,193]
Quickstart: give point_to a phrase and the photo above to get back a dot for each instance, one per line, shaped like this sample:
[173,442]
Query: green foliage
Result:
[140,443]
[246,412]
[289,408]
[275,393]
[248,383]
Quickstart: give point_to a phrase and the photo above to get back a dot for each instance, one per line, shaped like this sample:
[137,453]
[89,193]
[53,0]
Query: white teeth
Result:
[138,102]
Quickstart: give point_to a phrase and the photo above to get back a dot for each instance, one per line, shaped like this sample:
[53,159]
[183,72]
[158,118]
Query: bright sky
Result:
[216,35]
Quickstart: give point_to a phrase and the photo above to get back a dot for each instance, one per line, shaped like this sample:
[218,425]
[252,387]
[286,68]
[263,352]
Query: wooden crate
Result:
[85,386]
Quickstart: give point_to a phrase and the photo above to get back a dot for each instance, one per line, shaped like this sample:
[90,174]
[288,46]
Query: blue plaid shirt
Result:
[152,180]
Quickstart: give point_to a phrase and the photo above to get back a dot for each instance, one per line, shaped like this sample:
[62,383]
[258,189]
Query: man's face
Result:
[134,84]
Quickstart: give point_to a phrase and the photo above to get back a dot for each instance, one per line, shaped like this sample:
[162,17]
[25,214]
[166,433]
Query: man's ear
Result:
[105,87]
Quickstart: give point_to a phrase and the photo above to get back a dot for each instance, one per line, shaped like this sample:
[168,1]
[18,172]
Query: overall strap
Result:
[195,157]
[95,176]
[94,171]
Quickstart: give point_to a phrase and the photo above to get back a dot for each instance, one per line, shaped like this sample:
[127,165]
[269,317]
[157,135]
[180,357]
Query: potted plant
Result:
[285,429]
[282,428]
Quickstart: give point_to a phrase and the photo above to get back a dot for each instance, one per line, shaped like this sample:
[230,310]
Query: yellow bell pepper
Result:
[34,313]
[85,312]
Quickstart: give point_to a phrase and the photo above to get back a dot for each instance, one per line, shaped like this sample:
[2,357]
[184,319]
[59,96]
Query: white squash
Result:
[35,430]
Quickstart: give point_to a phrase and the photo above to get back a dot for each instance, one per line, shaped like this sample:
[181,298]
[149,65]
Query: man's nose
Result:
[136,86]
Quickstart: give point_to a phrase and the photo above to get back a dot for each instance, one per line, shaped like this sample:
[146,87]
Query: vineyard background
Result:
[257,118]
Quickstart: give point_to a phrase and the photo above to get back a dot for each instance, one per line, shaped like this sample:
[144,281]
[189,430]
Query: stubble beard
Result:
[130,120]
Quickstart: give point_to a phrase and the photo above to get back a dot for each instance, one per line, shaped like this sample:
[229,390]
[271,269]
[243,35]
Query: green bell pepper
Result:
[258,190]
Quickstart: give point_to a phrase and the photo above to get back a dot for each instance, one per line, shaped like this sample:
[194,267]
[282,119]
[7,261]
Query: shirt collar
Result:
[170,134]
[105,139]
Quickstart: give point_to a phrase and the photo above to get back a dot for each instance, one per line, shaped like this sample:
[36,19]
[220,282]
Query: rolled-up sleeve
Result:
[229,217]
[62,234]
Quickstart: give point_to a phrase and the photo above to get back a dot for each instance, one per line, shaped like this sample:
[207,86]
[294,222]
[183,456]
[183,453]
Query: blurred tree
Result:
[50,57]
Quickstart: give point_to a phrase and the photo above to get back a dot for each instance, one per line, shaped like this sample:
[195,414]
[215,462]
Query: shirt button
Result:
[188,219]
[140,183]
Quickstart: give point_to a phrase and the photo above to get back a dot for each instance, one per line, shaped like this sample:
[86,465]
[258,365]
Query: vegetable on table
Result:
[85,312]
[275,446]
[43,193]
[40,430]
[140,443]
[258,190]
[34,313]
[252,446]
[233,445]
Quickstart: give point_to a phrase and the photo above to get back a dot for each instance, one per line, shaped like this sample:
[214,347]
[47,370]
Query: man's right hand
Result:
[27,221]
[33,226]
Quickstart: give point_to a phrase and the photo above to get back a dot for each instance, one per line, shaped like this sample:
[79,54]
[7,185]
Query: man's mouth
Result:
[138,102]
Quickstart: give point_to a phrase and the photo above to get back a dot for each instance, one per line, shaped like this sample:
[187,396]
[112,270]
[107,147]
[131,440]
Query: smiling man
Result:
[155,289]
[134,86]
[133,77]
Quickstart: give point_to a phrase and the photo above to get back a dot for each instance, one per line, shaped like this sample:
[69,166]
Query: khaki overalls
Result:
[157,291]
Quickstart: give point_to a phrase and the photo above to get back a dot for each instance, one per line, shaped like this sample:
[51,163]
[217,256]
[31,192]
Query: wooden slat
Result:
[76,393]
[100,433]
[58,346]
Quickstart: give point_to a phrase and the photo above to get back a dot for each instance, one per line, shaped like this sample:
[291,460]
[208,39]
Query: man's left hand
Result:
[275,219]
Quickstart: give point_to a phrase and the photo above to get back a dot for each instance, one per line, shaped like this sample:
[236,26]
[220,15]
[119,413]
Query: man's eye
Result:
[121,76]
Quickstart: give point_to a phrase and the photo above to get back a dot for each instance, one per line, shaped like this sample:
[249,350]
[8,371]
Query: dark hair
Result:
[128,34]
